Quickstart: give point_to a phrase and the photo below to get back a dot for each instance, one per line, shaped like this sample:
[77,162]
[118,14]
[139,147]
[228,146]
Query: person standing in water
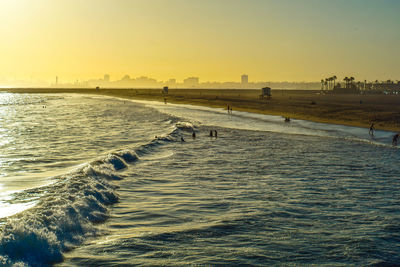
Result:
[371,129]
[395,139]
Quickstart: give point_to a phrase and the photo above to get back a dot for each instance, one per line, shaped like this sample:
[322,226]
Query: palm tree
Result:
[346,79]
[334,79]
[351,81]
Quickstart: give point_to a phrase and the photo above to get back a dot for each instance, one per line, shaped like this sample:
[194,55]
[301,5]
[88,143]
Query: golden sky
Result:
[216,40]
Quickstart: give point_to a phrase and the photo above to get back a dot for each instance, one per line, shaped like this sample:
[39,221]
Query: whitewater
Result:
[102,181]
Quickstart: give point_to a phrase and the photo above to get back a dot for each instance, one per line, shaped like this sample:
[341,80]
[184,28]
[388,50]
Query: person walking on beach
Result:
[211,133]
[215,134]
[194,135]
[371,129]
[395,139]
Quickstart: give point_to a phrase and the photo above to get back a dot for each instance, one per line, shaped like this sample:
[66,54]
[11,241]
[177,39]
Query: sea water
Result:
[100,181]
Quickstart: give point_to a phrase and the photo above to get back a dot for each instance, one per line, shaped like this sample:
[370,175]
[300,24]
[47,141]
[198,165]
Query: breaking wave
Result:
[67,211]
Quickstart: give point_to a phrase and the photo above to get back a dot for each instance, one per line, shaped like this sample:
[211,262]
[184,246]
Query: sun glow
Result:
[214,40]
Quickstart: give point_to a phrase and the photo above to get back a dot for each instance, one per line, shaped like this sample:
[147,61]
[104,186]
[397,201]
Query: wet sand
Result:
[346,109]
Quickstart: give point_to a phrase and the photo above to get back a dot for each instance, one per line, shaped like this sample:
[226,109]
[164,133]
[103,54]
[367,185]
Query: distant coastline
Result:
[347,109]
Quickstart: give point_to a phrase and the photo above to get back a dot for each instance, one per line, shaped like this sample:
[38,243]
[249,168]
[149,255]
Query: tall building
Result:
[245,79]
[191,81]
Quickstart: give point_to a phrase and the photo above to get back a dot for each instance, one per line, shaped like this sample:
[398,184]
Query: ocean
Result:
[102,181]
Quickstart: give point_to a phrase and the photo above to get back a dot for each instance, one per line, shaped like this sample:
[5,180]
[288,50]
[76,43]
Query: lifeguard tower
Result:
[165,93]
[165,90]
[265,93]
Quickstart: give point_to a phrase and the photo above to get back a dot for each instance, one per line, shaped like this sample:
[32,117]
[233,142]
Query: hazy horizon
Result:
[217,41]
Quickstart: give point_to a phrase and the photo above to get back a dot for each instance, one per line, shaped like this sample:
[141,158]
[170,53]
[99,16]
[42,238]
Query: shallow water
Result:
[104,191]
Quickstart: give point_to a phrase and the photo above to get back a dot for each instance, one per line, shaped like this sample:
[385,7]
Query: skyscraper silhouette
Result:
[245,79]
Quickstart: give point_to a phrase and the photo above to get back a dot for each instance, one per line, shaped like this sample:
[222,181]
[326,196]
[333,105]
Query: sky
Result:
[216,40]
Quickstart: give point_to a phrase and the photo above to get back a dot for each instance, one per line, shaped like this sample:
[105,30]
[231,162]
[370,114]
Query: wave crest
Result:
[67,211]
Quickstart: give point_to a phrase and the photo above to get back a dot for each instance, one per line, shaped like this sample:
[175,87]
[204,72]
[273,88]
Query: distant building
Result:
[171,82]
[245,79]
[126,78]
[144,82]
[191,81]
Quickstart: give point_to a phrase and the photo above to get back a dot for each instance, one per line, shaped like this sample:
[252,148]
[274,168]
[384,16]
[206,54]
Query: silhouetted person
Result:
[215,133]
[395,139]
[165,100]
[211,133]
[194,135]
[287,119]
[182,140]
[371,129]
[228,109]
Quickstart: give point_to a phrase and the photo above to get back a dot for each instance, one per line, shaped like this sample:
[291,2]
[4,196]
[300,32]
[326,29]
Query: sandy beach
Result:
[346,109]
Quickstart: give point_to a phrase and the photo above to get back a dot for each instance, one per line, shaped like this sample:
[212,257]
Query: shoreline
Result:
[343,109]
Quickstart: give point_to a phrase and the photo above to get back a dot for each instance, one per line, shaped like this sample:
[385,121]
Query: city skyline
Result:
[216,40]
[243,82]
[126,81]
[195,82]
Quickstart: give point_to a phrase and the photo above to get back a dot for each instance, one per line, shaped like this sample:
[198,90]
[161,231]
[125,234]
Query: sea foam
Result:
[63,218]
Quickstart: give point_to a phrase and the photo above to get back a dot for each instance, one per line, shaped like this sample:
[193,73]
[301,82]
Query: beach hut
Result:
[265,92]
